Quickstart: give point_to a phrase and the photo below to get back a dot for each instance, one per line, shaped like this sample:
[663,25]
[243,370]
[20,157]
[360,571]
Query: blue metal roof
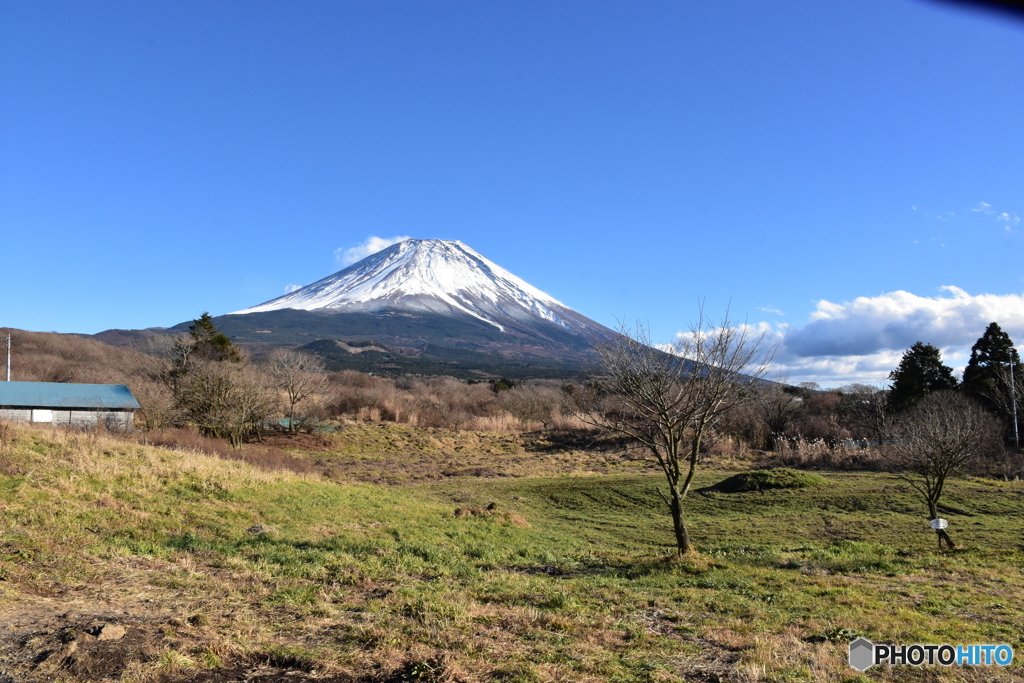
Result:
[66,396]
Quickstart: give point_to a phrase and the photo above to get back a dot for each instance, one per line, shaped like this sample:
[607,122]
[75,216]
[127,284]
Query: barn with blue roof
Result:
[77,405]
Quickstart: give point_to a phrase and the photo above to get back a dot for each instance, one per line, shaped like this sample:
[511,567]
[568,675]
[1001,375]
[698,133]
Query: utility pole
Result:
[8,356]
[1013,402]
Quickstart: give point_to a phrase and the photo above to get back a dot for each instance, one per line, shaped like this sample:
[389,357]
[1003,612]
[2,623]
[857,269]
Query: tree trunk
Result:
[683,545]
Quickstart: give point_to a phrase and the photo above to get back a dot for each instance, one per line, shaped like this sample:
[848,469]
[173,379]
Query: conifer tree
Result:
[986,372]
[210,343]
[995,377]
[920,373]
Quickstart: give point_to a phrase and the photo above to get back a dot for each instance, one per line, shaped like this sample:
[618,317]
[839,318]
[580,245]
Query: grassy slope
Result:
[386,583]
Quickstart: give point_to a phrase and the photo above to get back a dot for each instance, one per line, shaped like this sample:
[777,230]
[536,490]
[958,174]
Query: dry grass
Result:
[264,456]
[399,454]
[818,454]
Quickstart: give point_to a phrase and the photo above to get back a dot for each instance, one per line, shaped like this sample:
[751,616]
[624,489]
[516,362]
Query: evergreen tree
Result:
[986,377]
[210,343]
[920,373]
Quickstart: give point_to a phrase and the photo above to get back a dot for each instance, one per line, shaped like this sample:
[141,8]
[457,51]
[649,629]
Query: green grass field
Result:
[218,566]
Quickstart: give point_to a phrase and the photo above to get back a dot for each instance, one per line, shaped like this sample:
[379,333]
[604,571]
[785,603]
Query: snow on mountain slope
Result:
[435,276]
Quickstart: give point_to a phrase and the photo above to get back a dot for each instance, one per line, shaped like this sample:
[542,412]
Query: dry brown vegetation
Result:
[444,402]
[788,426]
[433,402]
[52,357]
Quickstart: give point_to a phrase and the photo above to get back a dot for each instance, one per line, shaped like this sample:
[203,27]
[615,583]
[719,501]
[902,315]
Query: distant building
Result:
[77,405]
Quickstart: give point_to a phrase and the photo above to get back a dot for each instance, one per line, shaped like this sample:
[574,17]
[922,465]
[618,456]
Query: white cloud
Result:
[983,208]
[987,209]
[288,289]
[769,309]
[863,340]
[372,245]
[896,320]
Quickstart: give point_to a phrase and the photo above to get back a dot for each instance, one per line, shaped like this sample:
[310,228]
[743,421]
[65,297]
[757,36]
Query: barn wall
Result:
[113,419]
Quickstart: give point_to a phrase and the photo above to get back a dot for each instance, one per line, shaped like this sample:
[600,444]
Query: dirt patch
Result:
[555,440]
[474,472]
[252,673]
[90,647]
[99,647]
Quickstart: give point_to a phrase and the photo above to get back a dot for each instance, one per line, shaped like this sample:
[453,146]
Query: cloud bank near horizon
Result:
[896,320]
[863,340]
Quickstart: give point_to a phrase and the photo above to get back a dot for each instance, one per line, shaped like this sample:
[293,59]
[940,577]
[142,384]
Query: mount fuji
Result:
[440,277]
[419,306]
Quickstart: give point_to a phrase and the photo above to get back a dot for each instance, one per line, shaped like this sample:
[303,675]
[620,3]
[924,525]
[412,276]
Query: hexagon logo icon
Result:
[862,654]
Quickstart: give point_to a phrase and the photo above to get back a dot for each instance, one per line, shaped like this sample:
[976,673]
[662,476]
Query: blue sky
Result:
[830,170]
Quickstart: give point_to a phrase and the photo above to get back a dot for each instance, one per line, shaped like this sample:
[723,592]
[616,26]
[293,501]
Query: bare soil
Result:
[48,643]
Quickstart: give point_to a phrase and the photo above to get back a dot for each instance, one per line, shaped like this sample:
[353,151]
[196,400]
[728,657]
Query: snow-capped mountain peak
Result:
[435,276]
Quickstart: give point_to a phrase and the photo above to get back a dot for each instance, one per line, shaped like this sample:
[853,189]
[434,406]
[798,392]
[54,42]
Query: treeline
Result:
[201,380]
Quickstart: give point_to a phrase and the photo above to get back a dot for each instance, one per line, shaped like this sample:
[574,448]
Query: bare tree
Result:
[151,384]
[531,403]
[1007,394]
[157,401]
[778,408]
[224,400]
[299,375]
[167,359]
[934,440]
[669,403]
[866,412]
